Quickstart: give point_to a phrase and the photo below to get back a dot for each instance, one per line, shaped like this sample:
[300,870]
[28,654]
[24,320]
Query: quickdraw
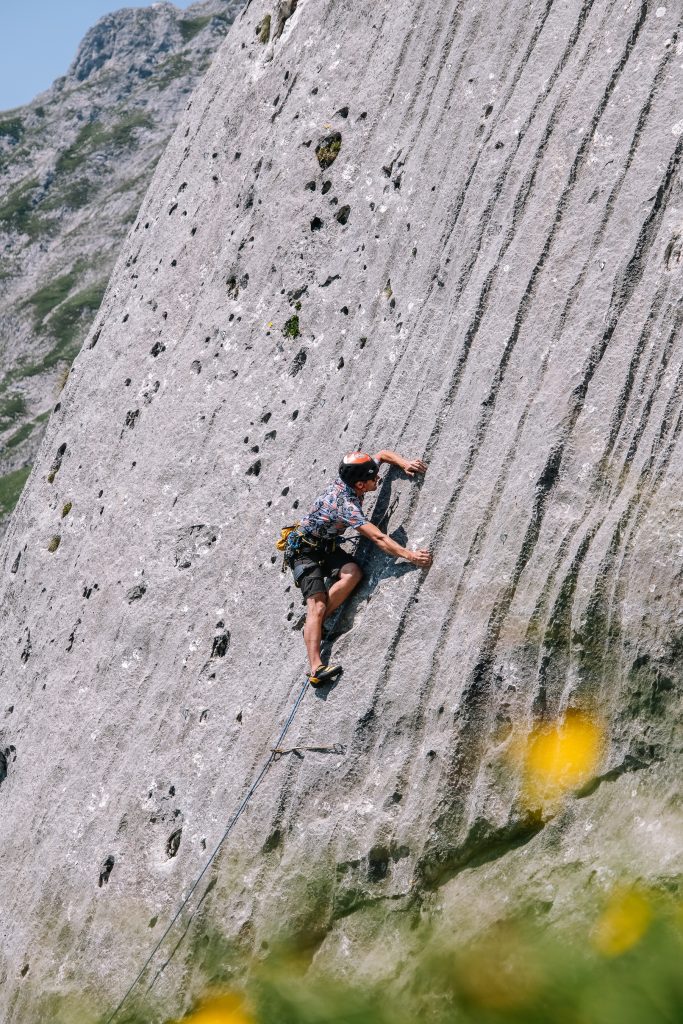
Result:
[281,543]
[335,748]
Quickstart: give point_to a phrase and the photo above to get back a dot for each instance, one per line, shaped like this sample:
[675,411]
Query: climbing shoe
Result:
[324,674]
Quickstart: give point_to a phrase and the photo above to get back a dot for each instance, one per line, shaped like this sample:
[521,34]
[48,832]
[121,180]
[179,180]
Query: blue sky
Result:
[39,38]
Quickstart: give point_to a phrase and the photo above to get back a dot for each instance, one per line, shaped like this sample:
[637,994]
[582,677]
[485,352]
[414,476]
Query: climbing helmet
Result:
[357,467]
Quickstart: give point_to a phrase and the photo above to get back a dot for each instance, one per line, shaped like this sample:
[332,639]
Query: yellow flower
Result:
[560,758]
[219,1009]
[623,923]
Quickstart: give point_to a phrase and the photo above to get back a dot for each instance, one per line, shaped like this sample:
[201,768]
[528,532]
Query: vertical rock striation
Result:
[74,167]
[448,229]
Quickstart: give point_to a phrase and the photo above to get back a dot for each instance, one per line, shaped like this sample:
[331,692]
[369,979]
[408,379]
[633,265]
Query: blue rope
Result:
[252,789]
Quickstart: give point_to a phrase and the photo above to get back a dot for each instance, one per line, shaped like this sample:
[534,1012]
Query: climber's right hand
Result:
[422,558]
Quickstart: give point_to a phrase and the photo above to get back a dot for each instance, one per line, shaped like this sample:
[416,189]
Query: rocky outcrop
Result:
[74,166]
[445,229]
[136,40]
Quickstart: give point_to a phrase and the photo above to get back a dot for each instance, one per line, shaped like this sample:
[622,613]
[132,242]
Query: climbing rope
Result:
[274,756]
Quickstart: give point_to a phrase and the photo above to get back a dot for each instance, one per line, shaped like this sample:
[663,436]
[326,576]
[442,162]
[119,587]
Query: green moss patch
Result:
[12,128]
[66,325]
[17,212]
[95,137]
[11,486]
[175,67]
[25,431]
[328,149]
[131,184]
[50,296]
[11,408]
[263,29]
[66,320]
[190,27]
[79,194]
[291,328]
[20,435]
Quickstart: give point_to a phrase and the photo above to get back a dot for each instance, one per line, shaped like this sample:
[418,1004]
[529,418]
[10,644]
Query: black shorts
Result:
[310,571]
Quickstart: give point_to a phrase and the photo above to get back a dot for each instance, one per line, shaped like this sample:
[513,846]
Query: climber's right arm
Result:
[420,558]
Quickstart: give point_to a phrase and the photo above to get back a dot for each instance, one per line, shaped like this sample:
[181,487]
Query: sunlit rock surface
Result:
[485,274]
[74,167]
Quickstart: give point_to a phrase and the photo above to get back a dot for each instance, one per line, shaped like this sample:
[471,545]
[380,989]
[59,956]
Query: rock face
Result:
[74,167]
[449,230]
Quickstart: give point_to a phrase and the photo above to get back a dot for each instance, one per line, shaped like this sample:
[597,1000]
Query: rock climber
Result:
[313,553]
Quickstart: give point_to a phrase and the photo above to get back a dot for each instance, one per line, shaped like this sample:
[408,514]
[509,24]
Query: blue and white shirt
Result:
[337,509]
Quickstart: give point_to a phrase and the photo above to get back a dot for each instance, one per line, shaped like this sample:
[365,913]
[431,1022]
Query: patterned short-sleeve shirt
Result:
[337,509]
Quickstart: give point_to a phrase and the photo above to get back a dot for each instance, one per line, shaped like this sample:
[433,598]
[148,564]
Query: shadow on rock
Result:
[323,692]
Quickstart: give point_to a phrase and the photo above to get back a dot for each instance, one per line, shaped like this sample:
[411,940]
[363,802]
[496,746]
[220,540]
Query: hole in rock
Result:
[106,870]
[221,645]
[378,864]
[297,364]
[173,843]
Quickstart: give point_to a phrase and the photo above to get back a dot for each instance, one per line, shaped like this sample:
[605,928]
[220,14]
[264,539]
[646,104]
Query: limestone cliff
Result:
[453,230]
[74,167]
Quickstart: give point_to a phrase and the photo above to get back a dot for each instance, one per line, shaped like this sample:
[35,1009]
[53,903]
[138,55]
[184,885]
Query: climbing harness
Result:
[275,754]
[295,544]
[292,541]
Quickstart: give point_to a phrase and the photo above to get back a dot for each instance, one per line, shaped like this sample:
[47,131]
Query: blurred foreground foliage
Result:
[625,969]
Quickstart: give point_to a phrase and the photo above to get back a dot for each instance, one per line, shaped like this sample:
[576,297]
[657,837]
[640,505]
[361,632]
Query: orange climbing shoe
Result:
[324,674]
